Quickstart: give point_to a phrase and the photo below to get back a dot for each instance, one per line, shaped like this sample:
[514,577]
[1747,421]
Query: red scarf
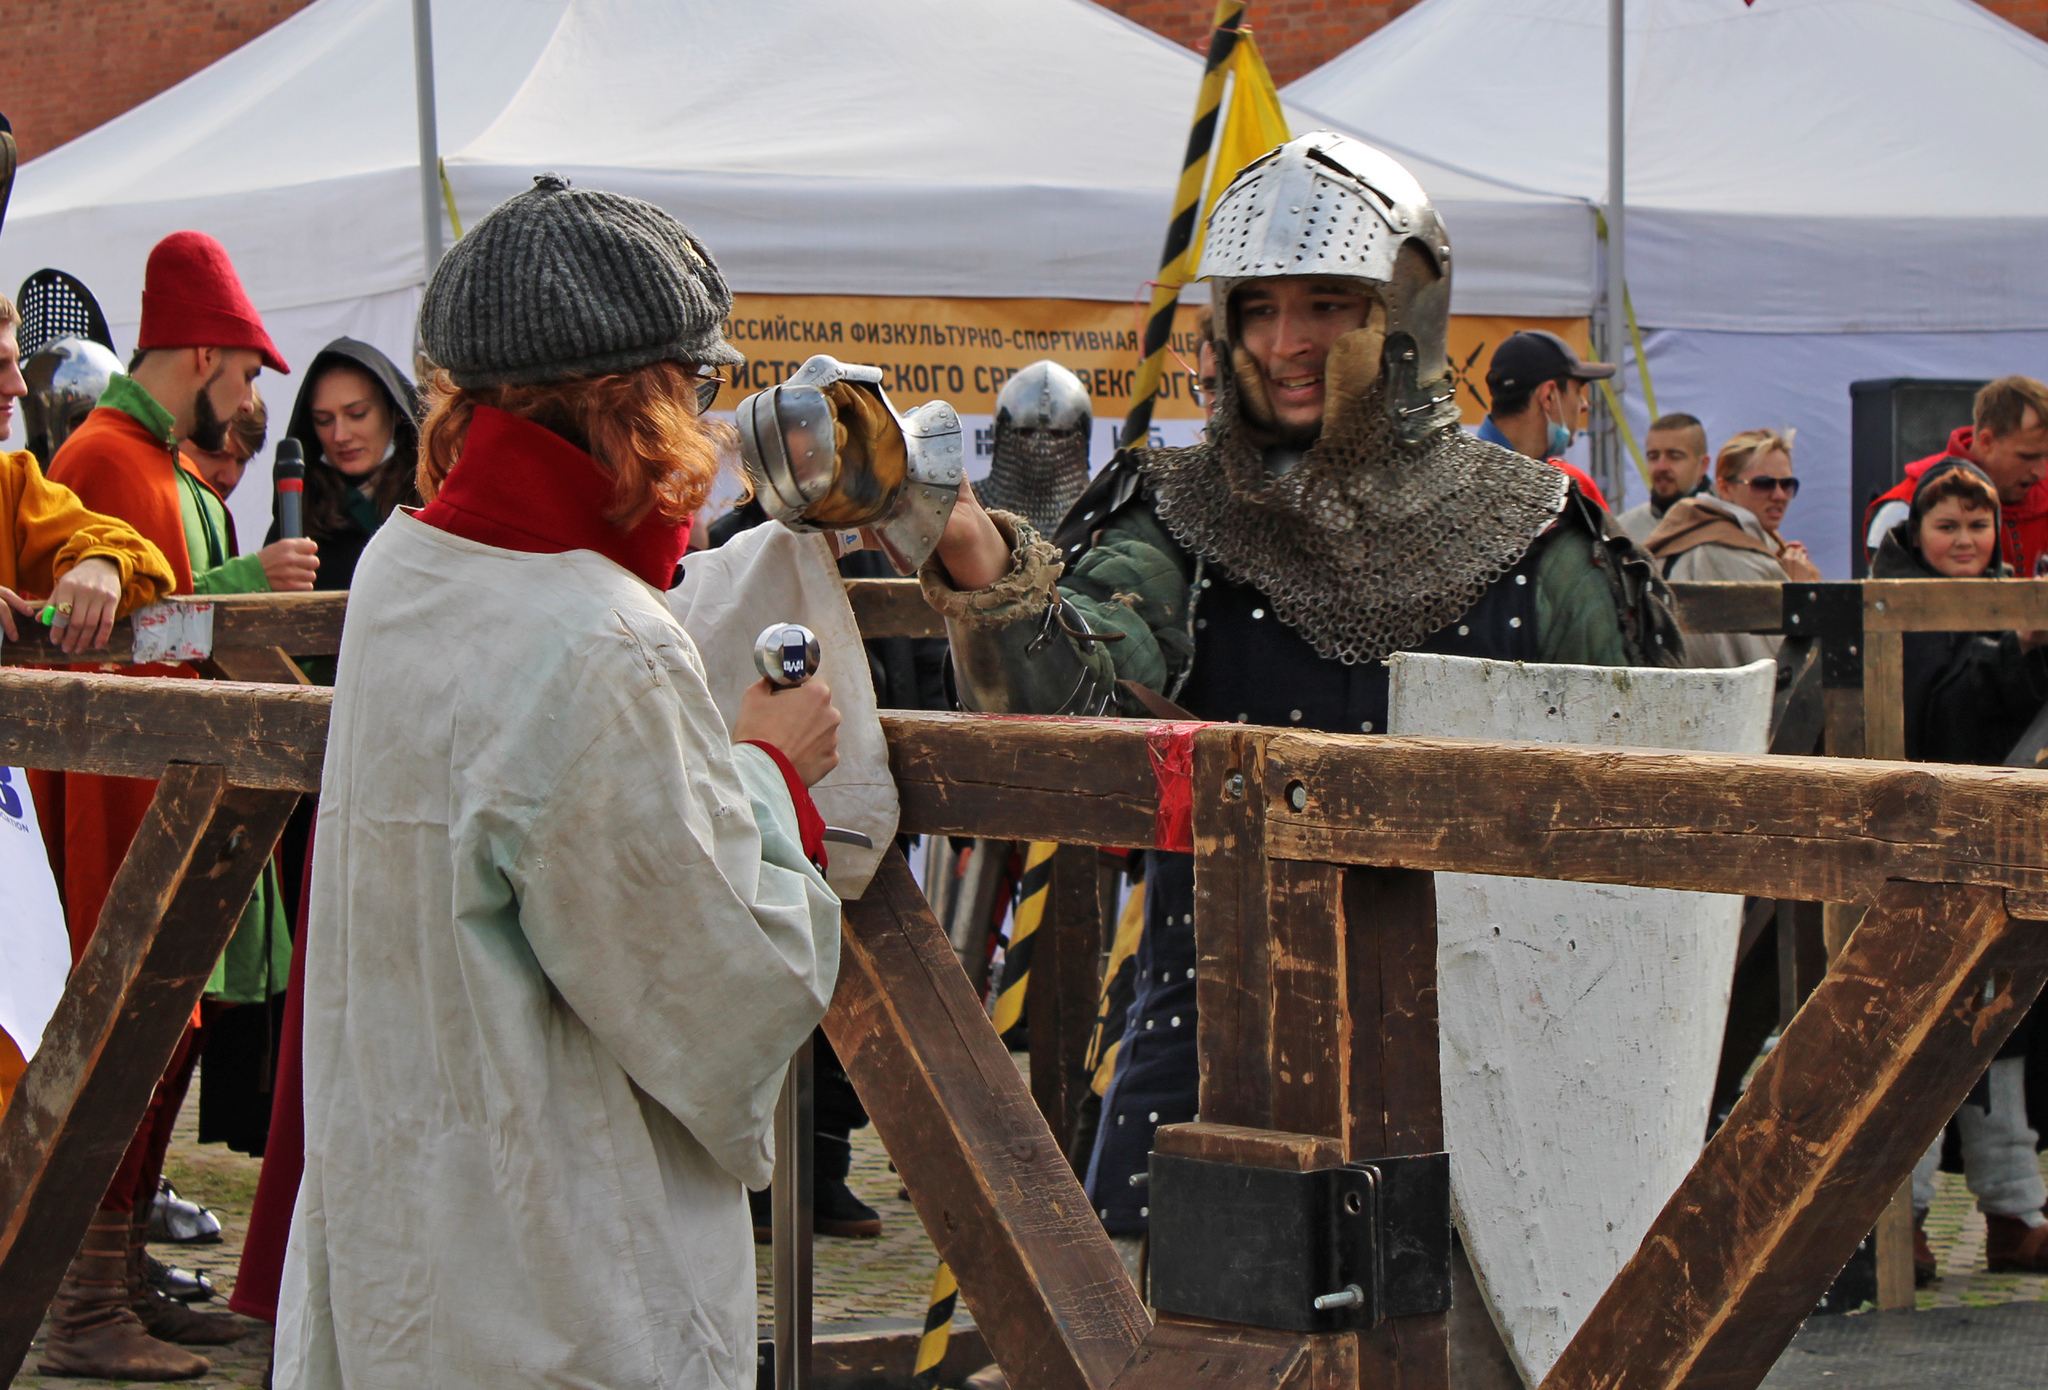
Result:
[520,486]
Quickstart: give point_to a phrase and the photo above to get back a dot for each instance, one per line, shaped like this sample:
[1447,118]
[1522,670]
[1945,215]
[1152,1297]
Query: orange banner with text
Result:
[963,350]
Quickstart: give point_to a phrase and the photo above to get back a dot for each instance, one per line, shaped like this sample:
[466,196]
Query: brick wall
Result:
[68,66]
[1296,36]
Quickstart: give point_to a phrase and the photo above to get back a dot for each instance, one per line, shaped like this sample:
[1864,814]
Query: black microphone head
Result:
[291,460]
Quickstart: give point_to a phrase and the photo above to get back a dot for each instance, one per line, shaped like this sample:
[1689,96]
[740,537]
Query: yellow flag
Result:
[1253,123]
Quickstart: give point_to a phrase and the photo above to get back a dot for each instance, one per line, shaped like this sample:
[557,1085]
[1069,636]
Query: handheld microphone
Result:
[288,474]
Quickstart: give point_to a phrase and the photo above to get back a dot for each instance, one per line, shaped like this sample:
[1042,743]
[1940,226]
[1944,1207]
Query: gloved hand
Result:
[873,460]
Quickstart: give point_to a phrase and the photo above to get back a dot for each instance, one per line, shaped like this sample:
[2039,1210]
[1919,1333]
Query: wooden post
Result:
[1060,999]
[1860,1083]
[168,916]
[1323,1023]
[1884,736]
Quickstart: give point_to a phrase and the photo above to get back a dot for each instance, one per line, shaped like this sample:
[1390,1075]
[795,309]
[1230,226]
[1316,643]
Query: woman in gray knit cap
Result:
[566,929]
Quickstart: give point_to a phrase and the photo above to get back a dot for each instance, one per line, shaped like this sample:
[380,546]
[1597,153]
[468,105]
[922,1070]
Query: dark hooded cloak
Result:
[340,517]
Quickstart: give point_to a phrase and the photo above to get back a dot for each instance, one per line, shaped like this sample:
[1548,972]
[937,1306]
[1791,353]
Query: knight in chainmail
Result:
[1335,514]
[1039,463]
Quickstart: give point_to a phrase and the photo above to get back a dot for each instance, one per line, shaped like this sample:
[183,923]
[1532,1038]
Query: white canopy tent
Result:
[1026,149]
[1818,190]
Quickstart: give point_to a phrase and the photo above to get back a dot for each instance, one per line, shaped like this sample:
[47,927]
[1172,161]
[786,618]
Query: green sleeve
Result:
[1135,580]
[1577,622]
[241,575]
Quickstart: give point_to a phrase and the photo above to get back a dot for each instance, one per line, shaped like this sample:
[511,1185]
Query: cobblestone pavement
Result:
[866,1283]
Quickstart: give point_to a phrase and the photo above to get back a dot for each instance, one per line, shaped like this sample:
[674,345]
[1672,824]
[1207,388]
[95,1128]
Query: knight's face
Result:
[1289,324]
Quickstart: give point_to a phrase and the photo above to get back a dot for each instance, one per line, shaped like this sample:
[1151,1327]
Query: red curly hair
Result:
[641,426]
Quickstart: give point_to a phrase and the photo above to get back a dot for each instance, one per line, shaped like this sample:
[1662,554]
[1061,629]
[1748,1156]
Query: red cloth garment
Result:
[520,486]
[2023,529]
[117,468]
[261,1271]
[810,826]
[134,1182]
[191,297]
[1583,479]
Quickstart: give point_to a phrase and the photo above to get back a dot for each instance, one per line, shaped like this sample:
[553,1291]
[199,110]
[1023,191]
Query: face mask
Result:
[1561,436]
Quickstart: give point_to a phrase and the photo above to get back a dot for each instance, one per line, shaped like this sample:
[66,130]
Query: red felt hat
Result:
[191,297]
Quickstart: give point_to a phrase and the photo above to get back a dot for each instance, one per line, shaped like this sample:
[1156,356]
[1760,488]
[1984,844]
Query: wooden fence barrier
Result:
[1315,927]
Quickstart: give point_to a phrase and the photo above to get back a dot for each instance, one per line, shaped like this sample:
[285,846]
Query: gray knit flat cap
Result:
[560,282]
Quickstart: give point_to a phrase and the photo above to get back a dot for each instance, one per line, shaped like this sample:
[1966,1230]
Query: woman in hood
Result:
[1968,697]
[355,418]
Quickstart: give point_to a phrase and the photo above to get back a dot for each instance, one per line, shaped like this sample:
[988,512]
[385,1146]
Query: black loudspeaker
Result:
[1892,422]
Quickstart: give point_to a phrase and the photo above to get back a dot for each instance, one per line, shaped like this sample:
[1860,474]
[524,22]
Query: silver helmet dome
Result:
[1328,205]
[65,380]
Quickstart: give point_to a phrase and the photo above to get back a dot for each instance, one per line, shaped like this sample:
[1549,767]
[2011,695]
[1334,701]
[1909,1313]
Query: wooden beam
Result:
[168,916]
[1817,829]
[1862,1080]
[1190,1354]
[306,624]
[135,726]
[1077,781]
[1889,605]
[258,665]
[987,1177]
[1060,999]
[1729,607]
[892,608]
[1954,605]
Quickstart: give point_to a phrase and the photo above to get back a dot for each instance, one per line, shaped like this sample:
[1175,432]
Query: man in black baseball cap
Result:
[1538,387]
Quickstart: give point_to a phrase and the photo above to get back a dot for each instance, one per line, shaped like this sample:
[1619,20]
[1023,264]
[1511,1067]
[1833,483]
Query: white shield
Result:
[1581,1023]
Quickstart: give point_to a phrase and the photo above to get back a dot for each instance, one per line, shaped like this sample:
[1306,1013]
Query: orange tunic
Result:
[47,530]
[118,467]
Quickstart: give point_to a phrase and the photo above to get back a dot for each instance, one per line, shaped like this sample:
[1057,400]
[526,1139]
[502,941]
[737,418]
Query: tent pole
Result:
[430,157]
[1616,325]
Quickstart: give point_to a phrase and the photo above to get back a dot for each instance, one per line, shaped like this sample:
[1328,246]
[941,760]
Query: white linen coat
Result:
[563,942]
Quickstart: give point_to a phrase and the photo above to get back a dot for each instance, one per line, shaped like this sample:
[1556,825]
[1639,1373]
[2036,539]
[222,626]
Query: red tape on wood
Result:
[1172,746]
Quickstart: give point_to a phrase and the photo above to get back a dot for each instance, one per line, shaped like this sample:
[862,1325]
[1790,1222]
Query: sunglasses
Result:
[709,382]
[1788,486]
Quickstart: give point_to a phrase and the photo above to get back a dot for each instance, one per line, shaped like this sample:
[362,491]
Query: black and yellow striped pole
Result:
[1033,891]
[938,1329]
[1182,231]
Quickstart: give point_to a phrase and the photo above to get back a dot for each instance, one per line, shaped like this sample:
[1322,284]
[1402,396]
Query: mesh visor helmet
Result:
[1044,396]
[1328,205]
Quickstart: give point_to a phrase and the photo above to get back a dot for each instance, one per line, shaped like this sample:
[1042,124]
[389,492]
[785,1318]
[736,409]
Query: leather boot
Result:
[2012,1246]
[165,1318]
[93,1331]
[835,1211]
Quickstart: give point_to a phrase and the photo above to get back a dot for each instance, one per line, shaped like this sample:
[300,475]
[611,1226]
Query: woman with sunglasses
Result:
[1733,535]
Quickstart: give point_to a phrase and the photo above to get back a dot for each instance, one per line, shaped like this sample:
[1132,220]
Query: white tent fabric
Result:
[919,147]
[1803,166]
[1814,196]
